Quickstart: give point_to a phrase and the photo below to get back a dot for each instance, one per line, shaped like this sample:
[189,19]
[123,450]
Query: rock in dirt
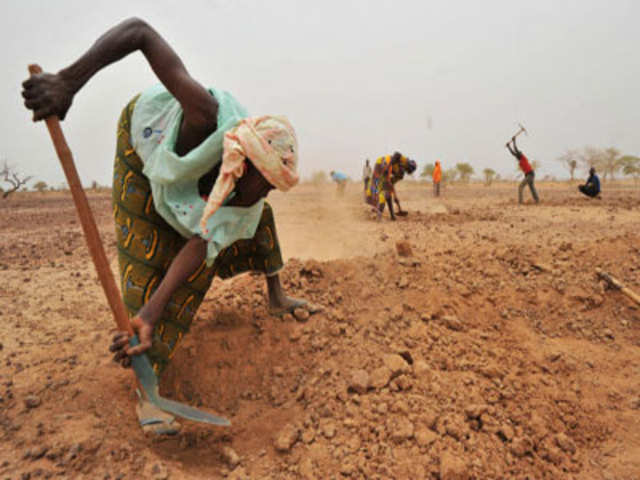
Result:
[401,430]
[286,438]
[425,437]
[328,429]
[404,249]
[231,458]
[380,377]
[395,363]
[38,452]
[421,369]
[308,436]
[301,314]
[32,401]
[306,469]
[397,312]
[239,474]
[359,381]
[452,467]
[565,443]
[453,323]
[521,446]
[157,471]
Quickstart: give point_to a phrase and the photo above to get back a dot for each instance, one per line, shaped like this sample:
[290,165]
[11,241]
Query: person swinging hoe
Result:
[525,166]
[190,178]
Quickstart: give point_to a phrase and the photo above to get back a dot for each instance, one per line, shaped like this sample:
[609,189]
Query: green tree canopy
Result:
[489,175]
[40,186]
[465,171]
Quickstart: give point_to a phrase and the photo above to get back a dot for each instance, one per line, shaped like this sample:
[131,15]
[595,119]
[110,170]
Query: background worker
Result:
[387,171]
[592,187]
[525,166]
[366,176]
[437,178]
[341,181]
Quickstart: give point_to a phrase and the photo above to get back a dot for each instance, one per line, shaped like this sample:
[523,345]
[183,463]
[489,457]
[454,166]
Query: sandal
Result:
[156,421]
[297,303]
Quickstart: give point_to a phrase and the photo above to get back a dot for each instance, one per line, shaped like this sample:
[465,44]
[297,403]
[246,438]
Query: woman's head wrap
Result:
[270,143]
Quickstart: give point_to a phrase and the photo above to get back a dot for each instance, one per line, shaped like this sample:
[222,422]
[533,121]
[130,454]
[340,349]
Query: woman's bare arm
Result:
[51,94]
[190,257]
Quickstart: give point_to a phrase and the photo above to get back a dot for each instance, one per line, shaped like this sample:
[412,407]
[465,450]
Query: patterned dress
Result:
[147,244]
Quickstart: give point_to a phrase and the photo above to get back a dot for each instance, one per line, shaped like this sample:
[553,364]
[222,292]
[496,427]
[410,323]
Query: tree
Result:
[465,171]
[608,160]
[428,169]
[489,175]
[40,186]
[631,166]
[10,176]
[612,164]
[570,160]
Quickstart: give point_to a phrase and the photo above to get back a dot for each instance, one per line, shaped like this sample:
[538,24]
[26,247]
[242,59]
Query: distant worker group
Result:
[380,179]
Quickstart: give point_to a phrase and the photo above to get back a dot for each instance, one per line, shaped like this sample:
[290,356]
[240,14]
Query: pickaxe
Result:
[141,364]
[618,285]
[522,129]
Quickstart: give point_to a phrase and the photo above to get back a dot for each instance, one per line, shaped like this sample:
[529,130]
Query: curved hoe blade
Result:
[149,383]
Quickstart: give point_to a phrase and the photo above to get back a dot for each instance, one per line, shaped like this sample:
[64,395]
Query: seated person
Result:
[592,187]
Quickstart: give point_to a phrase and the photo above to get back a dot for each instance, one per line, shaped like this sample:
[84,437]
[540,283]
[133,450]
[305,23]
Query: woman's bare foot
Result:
[279,303]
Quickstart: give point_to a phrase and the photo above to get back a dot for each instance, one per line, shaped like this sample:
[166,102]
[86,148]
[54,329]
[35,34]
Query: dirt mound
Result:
[491,351]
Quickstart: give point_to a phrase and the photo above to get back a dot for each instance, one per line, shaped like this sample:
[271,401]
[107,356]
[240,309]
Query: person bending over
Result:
[191,173]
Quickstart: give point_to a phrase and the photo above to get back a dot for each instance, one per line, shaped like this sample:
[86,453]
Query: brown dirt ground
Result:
[492,351]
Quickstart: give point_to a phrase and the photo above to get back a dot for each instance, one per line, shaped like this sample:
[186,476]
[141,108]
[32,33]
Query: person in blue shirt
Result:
[592,187]
[340,179]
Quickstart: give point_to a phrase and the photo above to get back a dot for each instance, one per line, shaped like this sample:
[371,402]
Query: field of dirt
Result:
[471,339]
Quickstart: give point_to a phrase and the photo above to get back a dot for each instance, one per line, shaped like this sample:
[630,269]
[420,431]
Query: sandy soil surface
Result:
[484,347]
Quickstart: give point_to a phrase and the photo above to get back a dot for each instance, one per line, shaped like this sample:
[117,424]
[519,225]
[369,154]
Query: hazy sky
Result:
[357,78]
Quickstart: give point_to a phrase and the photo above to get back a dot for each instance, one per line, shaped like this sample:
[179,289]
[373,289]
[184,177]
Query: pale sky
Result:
[357,79]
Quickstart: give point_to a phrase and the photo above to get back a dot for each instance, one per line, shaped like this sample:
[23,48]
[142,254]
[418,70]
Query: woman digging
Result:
[191,173]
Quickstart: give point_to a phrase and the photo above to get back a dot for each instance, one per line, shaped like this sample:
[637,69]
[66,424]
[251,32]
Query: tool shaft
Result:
[87,220]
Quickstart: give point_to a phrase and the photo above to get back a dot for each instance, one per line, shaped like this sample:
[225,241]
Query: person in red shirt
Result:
[525,166]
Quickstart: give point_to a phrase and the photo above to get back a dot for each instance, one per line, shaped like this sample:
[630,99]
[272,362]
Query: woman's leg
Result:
[259,254]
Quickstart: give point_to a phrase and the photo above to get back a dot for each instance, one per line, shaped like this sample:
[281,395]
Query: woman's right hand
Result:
[120,342]
[47,94]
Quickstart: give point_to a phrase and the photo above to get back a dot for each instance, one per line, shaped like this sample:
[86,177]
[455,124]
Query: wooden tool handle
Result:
[614,282]
[86,220]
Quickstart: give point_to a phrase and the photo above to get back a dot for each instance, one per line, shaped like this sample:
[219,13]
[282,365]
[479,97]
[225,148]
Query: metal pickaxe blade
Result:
[141,364]
[149,383]
[522,129]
